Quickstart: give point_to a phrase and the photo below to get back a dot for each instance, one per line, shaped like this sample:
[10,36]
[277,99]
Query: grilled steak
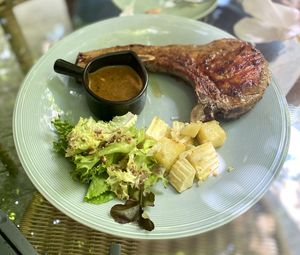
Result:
[228,75]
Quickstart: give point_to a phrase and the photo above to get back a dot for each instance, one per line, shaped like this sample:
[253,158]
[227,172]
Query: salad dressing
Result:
[115,83]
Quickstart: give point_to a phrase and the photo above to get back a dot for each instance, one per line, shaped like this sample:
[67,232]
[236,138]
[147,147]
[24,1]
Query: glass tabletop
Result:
[272,226]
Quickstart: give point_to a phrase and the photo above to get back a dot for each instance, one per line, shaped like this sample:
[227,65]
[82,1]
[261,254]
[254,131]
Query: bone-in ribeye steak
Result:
[228,75]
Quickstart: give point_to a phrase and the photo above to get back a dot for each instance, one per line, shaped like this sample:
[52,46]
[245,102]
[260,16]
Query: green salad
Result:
[115,160]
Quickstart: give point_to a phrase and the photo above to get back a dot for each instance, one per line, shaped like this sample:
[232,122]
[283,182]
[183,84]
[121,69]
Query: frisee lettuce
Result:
[115,160]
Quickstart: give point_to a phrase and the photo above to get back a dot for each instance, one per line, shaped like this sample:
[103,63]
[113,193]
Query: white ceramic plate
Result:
[172,7]
[256,146]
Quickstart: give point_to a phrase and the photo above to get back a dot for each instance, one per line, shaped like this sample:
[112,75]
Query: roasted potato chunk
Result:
[204,159]
[182,175]
[168,151]
[191,129]
[211,131]
[157,129]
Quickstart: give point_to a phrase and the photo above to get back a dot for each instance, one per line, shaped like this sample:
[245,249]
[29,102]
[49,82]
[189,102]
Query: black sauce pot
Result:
[102,108]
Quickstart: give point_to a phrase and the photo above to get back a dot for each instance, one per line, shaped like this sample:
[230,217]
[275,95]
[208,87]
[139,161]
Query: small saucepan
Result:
[115,83]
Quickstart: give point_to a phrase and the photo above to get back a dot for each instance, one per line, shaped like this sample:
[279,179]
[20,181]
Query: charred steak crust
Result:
[229,76]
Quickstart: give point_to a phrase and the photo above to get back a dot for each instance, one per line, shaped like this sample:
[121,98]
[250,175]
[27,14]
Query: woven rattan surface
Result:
[52,232]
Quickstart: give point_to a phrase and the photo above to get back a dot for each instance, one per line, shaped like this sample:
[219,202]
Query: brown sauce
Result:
[115,83]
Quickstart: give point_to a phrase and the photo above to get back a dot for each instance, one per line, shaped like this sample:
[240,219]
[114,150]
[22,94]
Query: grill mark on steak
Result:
[229,76]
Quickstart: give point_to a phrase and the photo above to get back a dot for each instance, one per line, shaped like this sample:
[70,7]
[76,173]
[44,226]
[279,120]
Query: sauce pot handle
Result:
[64,67]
